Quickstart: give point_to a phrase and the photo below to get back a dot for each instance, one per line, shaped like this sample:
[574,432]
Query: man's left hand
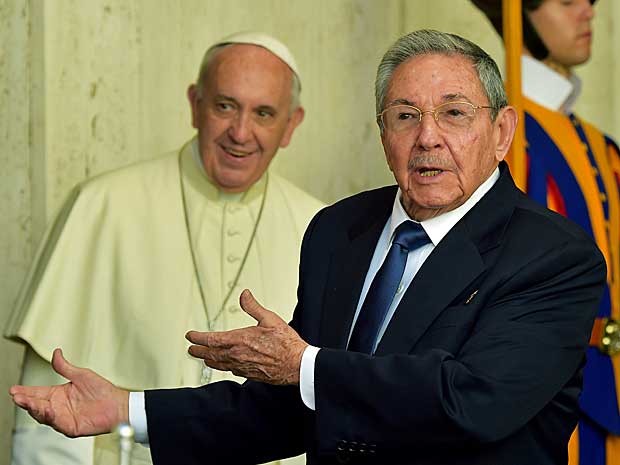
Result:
[269,352]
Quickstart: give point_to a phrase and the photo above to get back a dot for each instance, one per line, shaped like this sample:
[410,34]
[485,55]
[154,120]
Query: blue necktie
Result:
[407,237]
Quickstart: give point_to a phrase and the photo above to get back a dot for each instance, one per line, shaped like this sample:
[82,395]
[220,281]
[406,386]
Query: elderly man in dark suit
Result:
[439,321]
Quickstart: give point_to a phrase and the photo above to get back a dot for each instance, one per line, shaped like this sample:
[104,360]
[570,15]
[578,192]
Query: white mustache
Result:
[428,160]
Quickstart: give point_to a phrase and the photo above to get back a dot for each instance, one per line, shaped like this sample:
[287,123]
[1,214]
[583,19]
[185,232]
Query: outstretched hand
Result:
[269,352]
[87,405]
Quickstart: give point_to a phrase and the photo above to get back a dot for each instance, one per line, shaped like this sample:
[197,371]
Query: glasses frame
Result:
[433,111]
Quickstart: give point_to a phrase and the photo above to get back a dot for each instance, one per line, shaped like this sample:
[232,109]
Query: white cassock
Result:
[136,258]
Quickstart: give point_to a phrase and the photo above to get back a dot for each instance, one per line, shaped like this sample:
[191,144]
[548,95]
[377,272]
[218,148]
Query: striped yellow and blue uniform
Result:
[574,169]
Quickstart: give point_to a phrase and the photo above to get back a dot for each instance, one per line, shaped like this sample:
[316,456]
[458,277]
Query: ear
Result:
[192,96]
[505,126]
[294,120]
[385,149]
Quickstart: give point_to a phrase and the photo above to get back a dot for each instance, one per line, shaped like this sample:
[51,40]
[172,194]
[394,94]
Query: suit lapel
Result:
[454,264]
[347,272]
[451,267]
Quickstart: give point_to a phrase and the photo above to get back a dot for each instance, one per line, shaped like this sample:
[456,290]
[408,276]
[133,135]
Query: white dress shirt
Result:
[436,229]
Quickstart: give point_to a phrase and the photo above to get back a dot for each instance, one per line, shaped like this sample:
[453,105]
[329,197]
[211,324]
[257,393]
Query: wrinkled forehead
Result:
[435,77]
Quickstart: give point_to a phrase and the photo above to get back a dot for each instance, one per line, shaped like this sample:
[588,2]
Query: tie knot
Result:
[410,236]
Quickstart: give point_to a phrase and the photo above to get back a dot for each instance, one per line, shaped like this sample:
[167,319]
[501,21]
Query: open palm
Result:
[87,405]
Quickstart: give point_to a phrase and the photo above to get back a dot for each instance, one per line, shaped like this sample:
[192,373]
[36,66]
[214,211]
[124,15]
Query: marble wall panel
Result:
[455,16]
[15,192]
[615,65]
[600,77]
[92,62]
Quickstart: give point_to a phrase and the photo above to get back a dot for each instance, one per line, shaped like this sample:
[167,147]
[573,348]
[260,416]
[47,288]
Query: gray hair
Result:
[210,55]
[426,41]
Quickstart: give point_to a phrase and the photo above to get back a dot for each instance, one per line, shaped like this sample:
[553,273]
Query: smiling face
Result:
[438,170]
[565,29]
[242,114]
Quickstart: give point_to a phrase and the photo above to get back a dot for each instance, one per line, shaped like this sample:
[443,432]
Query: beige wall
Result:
[89,86]
[600,101]
[15,185]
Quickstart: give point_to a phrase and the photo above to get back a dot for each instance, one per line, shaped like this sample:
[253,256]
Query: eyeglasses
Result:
[449,116]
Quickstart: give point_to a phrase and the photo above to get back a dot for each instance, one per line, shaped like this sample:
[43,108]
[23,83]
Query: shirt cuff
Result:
[137,418]
[306,376]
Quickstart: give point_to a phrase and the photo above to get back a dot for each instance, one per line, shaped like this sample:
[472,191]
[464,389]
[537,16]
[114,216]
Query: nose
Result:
[429,135]
[240,129]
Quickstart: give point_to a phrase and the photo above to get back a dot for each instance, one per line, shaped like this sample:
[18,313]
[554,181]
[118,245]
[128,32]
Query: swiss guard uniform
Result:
[574,169]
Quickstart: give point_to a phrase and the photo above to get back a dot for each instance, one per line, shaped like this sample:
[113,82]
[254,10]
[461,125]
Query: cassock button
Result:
[232,258]
[232,232]
[233,309]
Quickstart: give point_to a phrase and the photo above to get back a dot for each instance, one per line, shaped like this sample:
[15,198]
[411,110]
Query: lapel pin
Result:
[471,297]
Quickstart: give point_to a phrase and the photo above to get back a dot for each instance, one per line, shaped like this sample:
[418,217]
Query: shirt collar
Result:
[547,87]
[439,226]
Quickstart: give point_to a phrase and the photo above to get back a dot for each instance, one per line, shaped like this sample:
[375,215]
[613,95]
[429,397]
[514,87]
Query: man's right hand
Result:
[87,405]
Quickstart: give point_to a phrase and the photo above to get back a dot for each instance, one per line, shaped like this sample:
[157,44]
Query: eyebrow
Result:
[267,108]
[224,97]
[444,98]
[233,100]
[452,97]
[400,101]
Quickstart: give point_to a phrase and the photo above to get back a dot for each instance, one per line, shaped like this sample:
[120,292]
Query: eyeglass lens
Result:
[449,116]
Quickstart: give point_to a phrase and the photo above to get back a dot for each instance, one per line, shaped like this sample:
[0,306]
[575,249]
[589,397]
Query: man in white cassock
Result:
[138,256]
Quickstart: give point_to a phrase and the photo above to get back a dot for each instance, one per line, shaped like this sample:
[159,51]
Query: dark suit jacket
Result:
[481,363]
